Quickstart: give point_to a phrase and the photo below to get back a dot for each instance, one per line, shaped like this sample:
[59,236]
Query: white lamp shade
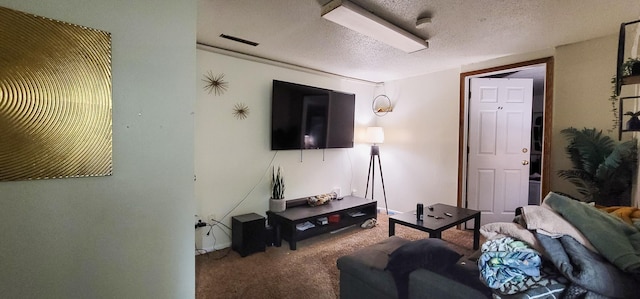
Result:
[375,135]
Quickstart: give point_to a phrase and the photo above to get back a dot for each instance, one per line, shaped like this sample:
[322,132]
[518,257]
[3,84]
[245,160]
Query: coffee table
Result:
[434,226]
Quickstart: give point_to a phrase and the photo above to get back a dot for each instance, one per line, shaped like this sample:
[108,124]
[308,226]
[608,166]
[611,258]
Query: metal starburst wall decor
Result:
[241,111]
[215,83]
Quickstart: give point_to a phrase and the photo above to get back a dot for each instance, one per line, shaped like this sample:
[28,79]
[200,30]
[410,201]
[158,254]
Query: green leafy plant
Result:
[277,184]
[627,66]
[613,99]
[627,69]
[602,168]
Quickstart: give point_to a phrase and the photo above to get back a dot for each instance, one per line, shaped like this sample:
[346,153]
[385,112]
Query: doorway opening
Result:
[541,71]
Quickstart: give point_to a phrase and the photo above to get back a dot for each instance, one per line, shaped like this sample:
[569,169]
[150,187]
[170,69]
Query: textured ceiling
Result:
[461,32]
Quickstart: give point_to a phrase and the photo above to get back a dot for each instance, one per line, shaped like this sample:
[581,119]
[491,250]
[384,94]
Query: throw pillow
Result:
[377,255]
[430,254]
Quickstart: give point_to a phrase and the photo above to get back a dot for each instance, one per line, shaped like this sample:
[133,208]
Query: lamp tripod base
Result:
[375,152]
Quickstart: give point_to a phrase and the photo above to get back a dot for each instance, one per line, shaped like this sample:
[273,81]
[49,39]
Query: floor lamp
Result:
[375,135]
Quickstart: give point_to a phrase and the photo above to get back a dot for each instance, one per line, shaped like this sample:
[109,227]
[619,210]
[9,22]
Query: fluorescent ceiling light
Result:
[356,18]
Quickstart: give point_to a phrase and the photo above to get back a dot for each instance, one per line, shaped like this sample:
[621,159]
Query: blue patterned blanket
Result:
[505,260]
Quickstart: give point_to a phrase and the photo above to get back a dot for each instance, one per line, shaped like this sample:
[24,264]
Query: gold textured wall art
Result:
[55,99]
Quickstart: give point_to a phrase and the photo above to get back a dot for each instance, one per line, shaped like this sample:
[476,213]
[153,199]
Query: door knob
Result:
[524,150]
[525,162]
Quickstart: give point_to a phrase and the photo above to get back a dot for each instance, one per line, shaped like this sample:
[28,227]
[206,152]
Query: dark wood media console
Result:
[350,210]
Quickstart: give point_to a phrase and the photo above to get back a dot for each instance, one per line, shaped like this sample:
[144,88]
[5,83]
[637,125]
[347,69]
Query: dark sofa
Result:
[561,249]
[366,273]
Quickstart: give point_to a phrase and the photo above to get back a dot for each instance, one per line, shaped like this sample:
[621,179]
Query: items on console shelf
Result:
[322,221]
[321,199]
[356,214]
[304,226]
[335,218]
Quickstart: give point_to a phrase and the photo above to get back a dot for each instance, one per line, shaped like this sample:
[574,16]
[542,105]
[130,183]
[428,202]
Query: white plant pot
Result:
[277,205]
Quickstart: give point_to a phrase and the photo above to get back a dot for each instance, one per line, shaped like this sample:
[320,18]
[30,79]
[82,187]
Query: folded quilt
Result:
[549,276]
[616,240]
[552,291]
[587,269]
[496,230]
[507,259]
[544,220]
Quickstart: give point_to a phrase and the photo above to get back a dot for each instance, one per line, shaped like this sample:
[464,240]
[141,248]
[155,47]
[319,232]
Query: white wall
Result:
[420,153]
[233,156]
[129,235]
[582,88]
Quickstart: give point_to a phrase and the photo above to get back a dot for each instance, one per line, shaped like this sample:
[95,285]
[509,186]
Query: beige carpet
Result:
[308,272]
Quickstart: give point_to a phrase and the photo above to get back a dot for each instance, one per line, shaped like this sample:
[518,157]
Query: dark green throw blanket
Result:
[616,240]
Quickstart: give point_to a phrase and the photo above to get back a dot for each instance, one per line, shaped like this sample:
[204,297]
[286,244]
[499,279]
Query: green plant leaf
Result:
[277,184]
[602,168]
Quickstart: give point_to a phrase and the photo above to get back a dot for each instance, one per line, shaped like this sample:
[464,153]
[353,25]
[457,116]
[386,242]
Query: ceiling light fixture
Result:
[356,18]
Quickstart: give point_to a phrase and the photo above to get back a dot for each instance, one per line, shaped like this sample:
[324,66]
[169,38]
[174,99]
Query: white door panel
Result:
[499,140]
[487,131]
[486,189]
[513,141]
[512,187]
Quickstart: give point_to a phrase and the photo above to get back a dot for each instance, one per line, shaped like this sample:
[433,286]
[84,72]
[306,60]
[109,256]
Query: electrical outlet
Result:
[200,223]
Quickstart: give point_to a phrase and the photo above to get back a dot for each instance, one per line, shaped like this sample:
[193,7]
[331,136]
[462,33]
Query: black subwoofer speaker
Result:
[248,234]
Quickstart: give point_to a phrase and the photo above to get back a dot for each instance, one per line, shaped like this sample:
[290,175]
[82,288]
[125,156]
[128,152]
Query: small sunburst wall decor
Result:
[241,111]
[215,83]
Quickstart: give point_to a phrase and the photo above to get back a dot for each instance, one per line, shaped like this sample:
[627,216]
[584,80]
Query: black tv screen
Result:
[306,117]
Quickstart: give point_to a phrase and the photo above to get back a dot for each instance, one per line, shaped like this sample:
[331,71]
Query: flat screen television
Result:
[306,117]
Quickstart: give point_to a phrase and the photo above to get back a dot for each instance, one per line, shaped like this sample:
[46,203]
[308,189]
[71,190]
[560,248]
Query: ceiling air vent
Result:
[240,40]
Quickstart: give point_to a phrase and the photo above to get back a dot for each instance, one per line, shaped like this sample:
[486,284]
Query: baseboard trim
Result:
[214,248]
[391,212]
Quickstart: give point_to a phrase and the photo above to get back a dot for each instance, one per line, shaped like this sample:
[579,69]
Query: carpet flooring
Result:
[309,272]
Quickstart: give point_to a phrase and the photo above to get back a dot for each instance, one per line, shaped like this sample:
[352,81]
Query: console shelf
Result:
[299,212]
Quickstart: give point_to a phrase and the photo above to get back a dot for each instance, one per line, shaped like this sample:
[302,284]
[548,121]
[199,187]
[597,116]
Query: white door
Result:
[498,147]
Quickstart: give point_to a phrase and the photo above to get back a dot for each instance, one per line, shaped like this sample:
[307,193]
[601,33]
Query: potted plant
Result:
[633,124]
[277,202]
[631,67]
[603,169]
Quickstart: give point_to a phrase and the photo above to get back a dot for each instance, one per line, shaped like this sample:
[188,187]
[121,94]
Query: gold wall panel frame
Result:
[55,99]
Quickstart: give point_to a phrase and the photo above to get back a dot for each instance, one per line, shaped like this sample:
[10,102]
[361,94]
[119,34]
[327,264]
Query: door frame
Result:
[547,123]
